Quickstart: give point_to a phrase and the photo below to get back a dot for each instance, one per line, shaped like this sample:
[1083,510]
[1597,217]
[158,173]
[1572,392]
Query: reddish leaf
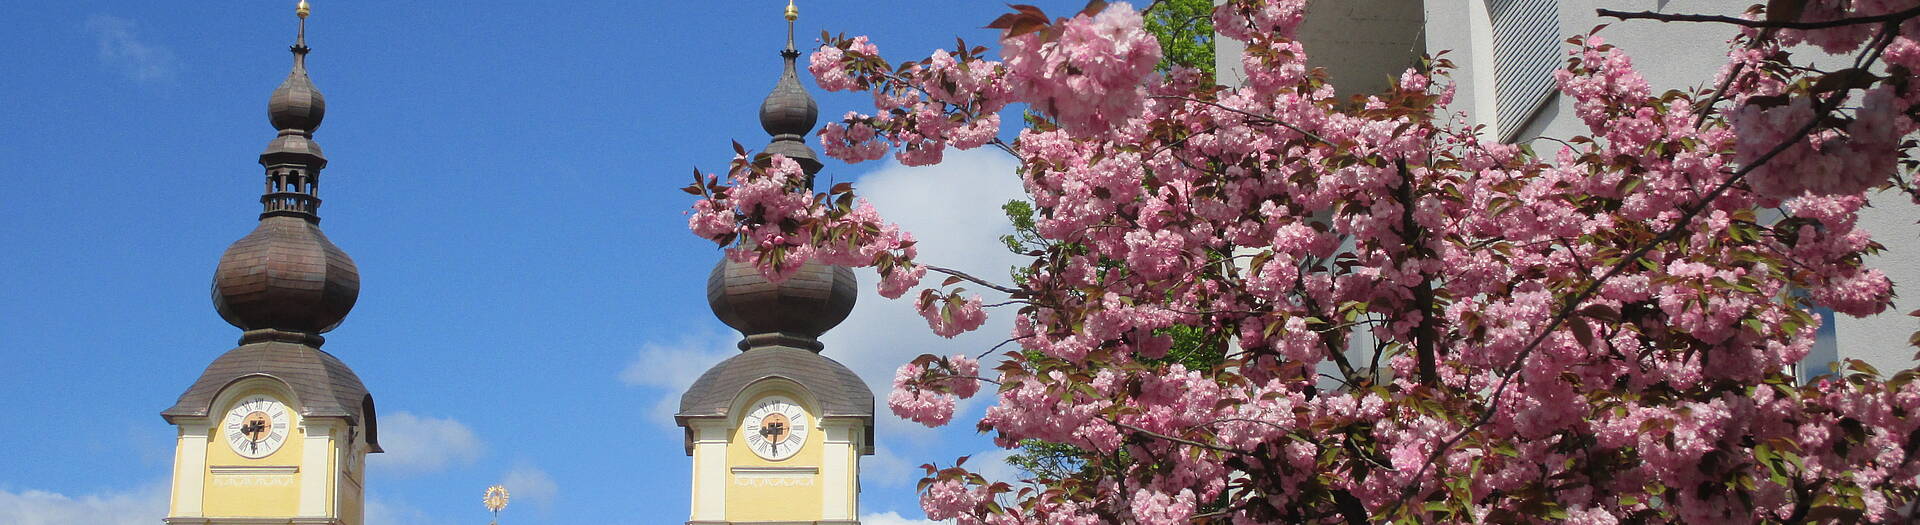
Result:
[1852,78]
[1093,8]
[1581,331]
[1785,10]
[1601,312]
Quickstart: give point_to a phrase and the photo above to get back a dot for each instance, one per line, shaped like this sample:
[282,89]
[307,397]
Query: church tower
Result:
[776,432]
[277,430]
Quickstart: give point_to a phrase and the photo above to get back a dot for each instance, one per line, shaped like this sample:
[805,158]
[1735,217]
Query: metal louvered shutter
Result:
[1526,37]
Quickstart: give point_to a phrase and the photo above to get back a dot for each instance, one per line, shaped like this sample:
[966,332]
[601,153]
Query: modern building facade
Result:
[776,433]
[276,431]
[1506,51]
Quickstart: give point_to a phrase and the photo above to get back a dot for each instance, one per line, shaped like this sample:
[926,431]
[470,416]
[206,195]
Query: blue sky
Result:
[505,175]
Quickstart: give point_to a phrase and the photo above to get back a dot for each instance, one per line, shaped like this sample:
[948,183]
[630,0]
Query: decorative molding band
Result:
[252,521]
[252,470]
[774,472]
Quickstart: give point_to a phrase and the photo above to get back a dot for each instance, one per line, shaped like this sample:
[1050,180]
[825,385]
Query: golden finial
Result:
[793,13]
[495,499]
[303,10]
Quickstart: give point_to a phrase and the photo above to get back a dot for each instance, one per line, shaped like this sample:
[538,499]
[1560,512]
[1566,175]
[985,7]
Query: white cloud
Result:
[121,48]
[671,368]
[953,210]
[140,506]
[887,469]
[529,484]
[423,444]
[380,511]
[992,464]
[893,518]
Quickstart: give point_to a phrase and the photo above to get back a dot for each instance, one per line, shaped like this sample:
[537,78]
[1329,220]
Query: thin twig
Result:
[983,355]
[974,280]
[1187,442]
[1262,118]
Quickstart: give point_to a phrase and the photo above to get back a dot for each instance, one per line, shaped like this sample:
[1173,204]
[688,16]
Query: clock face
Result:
[256,426]
[776,428]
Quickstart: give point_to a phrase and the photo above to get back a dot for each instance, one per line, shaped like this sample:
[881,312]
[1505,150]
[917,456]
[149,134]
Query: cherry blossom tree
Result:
[1415,323]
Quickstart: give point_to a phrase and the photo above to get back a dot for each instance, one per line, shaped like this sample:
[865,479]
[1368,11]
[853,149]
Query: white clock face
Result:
[257,426]
[776,428]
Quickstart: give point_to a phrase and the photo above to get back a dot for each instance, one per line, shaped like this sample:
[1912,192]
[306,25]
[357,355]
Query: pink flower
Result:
[895,283]
[1090,78]
[924,406]
[952,315]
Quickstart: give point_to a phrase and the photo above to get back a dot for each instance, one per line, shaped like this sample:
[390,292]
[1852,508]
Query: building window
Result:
[1526,43]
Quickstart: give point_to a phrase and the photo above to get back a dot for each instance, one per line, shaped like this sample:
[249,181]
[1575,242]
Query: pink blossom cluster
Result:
[926,390]
[1089,76]
[950,98]
[1266,304]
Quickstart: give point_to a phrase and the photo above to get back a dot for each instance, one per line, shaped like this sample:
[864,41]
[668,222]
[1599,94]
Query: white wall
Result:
[1361,43]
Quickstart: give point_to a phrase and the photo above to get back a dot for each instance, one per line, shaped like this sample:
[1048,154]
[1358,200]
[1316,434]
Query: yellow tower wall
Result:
[775,497]
[237,486]
[315,474]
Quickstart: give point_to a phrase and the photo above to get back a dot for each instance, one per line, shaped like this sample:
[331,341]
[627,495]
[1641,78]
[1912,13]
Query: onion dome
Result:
[286,276]
[793,313]
[296,108]
[788,113]
[296,105]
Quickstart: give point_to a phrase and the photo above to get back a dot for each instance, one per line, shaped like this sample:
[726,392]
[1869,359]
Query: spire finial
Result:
[302,11]
[793,13]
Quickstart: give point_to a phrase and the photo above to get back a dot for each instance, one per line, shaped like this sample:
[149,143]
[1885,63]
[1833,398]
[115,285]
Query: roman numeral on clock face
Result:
[256,426]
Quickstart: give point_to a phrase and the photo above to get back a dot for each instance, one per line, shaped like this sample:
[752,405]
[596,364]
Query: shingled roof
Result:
[840,392]
[323,386]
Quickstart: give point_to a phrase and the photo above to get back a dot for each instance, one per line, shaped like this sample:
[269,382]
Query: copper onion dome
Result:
[286,275]
[788,113]
[793,313]
[297,108]
[818,297]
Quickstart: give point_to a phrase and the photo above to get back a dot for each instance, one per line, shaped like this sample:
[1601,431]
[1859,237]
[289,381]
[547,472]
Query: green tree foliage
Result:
[1185,30]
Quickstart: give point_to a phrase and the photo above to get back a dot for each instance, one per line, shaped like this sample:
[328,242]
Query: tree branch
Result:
[1764,24]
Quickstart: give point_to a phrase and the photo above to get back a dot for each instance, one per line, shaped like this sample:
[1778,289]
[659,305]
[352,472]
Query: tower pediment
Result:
[841,394]
[325,386]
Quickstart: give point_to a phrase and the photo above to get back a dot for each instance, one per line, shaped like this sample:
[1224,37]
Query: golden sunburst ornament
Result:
[495,499]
